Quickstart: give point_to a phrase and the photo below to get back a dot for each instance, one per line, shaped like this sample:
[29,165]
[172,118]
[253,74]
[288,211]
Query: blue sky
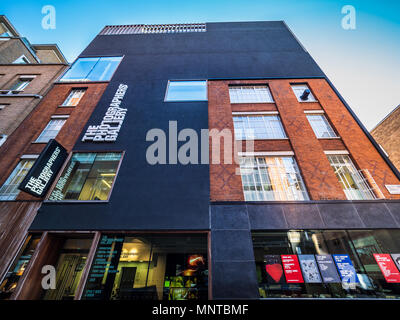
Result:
[363,64]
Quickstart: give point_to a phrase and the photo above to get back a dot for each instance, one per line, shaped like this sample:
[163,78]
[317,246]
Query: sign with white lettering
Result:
[44,170]
[393,188]
[108,129]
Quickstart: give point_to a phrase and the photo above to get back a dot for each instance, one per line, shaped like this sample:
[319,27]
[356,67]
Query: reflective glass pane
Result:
[80,69]
[187,91]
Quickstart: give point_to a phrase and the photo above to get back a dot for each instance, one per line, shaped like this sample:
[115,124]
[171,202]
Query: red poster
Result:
[388,268]
[291,268]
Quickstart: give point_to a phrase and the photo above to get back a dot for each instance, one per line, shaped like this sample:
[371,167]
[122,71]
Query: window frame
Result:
[185,80]
[59,80]
[260,114]
[321,113]
[23,57]
[59,174]
[308,87]
[21,78]
[251,85]
[54,117]
[63,105]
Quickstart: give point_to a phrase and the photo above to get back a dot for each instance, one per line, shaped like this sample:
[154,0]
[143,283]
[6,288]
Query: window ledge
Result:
[330,138]
[262,139]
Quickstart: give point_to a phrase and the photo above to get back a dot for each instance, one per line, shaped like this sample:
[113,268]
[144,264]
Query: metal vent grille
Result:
[154,28]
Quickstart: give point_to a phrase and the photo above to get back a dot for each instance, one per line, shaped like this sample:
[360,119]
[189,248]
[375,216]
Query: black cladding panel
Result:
[170,196]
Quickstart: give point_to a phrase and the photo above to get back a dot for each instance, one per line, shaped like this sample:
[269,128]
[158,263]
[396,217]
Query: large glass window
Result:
[327,263]
[321,126]
[271,179]
[353,182]
[51,130]
[153,267]
[186,91]
[74,97]
[92,69]
[258,127]
[17,269]
[69,267]
[9,190]
[250,94]
[87,176]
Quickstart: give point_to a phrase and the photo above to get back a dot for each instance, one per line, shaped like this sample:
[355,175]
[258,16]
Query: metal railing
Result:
[153,28]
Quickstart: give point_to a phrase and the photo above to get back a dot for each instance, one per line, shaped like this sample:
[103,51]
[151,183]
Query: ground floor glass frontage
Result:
[328,263]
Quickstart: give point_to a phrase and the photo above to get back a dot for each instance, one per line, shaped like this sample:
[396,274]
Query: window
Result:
[186,91]
[250,94]
[3,138]
[258,127]
[352,181]
[22,60]
[271,179]
[51,130]
[92,69]
[4,32]
[14,274]
[149,267]
[321,126]
[20,84]
[9,190]
[74,97]
[88,176]
[303,93]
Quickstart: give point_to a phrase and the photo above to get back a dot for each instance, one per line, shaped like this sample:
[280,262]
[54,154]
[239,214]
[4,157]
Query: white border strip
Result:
[314,111]
[254,112]
[60,116]
[266,153]
[336,152]
[29,156]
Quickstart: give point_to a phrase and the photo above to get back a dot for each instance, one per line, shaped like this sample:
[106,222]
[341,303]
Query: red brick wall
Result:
[318,176]
[20,142]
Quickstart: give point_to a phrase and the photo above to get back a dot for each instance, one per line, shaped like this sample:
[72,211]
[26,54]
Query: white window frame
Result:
[23,57]
[43,133]
[268,129]
[237,94]
[316,128]
[70,96]
[27,79]
[3,138]
[15,178]
[296,86]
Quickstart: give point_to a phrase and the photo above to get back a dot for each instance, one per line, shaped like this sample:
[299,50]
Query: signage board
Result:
[388,268]
[327,268]
[309,268]
[345,267]
[44,170]
[291,268]
[273,269]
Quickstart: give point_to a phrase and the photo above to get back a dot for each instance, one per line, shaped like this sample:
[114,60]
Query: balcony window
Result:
[87,177]
[92,69]
[250,94]
[74,97]
[186,91]
[321,126]
[51,130]
[303,93]
[353,182]
[9,190]
[271,179]
[258,127]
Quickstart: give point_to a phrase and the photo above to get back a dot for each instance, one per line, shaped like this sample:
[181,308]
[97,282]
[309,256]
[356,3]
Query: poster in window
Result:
[309,268]
[388,268]
[396,259]
[327,268]
[273,269]
[345,267]
[291,268]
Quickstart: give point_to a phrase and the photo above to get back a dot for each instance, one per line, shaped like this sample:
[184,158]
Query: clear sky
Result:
[363,64]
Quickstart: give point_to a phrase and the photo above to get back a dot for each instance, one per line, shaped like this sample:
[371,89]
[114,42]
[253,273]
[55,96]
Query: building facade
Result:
[26,74]
[201,161]
[387,134]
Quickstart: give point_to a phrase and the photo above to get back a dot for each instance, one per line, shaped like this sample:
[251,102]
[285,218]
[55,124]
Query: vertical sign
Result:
[388,268]
[327,268]
[273,269]
[309,268]
[346,269]
[291,268]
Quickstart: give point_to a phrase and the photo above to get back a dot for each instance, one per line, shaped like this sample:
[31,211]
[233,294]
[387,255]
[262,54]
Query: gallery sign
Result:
[310,268]
[346,269]
[292,268]
[108,129]
[327,268]
[388,268]
[44,170]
